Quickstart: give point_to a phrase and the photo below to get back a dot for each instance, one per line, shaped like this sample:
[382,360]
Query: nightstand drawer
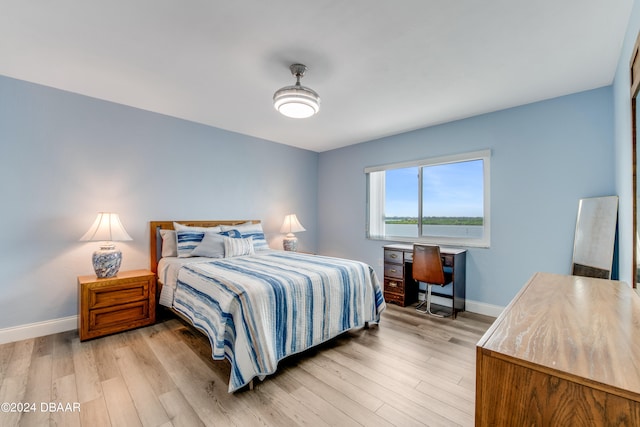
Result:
[120,294]
[121,315]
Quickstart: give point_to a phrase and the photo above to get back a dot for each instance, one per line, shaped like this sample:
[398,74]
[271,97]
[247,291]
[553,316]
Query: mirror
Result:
[595,237]
[635,85]
[634,154]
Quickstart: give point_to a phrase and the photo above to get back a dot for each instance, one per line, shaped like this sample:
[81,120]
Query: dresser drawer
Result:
[393,270]
[393,256]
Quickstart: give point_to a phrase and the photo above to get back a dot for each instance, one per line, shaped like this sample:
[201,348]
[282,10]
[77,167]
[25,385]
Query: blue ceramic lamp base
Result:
[290,244]
[106,261]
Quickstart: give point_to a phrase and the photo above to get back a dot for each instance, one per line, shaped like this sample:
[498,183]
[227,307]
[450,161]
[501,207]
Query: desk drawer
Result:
[393,256]
[394,299]
[447,260]
[394,286]
[393,270]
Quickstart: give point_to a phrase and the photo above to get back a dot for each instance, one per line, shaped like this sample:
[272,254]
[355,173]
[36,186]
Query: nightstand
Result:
[115,304]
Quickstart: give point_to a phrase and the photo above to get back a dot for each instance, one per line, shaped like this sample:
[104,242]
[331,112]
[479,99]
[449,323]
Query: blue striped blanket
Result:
[257,310]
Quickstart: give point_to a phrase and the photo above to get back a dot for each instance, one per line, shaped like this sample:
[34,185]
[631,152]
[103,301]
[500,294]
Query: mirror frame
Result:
[635,86]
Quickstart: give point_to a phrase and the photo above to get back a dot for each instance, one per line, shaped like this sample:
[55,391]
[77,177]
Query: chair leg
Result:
[420,305]
[429,303]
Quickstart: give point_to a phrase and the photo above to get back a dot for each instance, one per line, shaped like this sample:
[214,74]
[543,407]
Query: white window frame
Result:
[375,202]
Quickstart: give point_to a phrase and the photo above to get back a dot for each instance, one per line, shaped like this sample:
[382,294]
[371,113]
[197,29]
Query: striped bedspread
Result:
[259,309]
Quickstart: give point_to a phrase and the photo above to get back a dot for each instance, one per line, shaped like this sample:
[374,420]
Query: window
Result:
[442,200]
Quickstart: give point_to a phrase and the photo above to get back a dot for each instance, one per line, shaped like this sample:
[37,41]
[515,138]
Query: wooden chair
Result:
[427,268]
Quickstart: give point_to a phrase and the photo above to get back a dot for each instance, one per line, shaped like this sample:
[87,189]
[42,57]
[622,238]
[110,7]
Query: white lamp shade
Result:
[291,224]
[108,228]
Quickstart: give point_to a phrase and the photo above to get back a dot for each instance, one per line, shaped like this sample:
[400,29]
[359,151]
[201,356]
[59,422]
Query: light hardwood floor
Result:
[412,370]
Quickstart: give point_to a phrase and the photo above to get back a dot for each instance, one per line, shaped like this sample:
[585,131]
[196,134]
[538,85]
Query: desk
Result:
[565,351]
[401,289]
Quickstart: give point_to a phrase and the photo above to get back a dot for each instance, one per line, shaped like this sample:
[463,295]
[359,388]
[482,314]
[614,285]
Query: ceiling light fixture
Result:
[296,101]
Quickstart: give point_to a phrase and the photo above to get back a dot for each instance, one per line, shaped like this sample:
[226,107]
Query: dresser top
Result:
[576,327]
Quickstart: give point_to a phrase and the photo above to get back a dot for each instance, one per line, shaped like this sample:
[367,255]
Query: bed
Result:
[257,305]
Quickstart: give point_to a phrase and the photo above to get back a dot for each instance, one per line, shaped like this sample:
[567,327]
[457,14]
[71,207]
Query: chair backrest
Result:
[427,264]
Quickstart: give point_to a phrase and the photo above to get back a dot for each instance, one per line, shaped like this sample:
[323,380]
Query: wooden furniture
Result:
[115,304]
[565,351]
[401,289]
[399,286]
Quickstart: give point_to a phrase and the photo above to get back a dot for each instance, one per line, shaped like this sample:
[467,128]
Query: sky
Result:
[453,189]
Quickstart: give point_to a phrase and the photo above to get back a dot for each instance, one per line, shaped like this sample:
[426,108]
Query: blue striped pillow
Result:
[187,241]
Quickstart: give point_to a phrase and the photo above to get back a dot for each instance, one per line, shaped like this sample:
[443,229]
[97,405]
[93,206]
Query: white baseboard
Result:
[472,306]
[39,329]
[483,308]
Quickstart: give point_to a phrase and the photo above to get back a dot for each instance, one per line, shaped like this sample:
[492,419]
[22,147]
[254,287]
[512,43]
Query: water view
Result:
[411,230]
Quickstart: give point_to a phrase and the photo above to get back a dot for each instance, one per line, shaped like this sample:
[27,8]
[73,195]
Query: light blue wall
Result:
[623,161]
[64,157]
[545,157]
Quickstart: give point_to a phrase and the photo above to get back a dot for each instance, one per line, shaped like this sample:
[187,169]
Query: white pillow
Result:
[169,245]
[237,247]
[248,229]
[182,227]
[212,246]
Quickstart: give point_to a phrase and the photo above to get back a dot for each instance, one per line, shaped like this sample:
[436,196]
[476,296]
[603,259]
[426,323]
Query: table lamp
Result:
[107,228]
[291,225]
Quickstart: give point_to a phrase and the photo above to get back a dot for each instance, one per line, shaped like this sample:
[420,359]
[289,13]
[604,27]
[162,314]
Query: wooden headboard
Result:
[155,241]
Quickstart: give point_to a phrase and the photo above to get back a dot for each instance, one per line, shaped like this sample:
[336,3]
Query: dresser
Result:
[401,289]
[115,304]
[565,351]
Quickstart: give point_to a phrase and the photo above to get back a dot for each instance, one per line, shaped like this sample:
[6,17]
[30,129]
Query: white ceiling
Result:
[380,67]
